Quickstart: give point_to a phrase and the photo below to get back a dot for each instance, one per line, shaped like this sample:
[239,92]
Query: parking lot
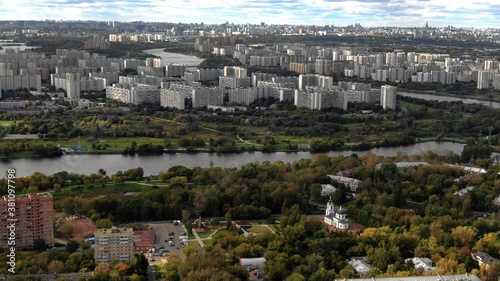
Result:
[162,230]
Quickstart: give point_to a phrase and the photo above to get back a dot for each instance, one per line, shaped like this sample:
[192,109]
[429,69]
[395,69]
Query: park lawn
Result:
[273,227]
[97,190]
[193,245]
[116,145]
[4,123]
[21,154]
[415,107]
[259,230]
[206,234]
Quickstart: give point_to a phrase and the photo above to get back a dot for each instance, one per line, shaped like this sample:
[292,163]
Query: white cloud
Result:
[366,12]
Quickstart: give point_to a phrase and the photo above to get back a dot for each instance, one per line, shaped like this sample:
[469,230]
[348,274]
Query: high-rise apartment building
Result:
[73,85]
[114,245]
[388,96]
[483,79]
[34,214]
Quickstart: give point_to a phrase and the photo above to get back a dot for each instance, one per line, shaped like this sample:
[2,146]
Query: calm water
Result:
[86,164]
[446,98]
[167,57]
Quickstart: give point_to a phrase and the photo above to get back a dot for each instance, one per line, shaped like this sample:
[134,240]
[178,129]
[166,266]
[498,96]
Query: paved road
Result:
[198,238]
[151,273]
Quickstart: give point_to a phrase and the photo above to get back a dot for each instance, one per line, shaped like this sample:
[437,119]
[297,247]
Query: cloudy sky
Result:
[463,13]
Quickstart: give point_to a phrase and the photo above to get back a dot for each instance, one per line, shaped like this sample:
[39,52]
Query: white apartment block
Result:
[208,74]
[235,71]
[200,96]
[266,61]
[316,98]
[20,82]
[114,245]
[175,69]
[303,68]
[388,97]
[353,184]
[73,85]
[234,82]
[154,62]
[112,77]
[93,84]
[135,94]
[244,96]
[191,76]
[207,96]
[362,96]
[314,80]
[483,79]
[322,66]
[150,71]
[133,63]
[285,81]
[141,79]
[496,82]
[172,98]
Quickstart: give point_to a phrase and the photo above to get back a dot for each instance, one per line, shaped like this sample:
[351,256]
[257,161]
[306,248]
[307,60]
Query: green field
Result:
[6,123]
[116,145]
[97,190]
[259,230]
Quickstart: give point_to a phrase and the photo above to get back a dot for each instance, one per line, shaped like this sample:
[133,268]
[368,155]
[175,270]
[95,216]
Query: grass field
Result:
[97,190]
[193,245]
[259,230]
[6,123]
[116,145]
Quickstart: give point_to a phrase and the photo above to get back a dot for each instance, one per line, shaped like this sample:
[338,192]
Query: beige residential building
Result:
[115,244]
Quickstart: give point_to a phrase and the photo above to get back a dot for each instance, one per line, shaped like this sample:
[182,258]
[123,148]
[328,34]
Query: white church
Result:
[336,218]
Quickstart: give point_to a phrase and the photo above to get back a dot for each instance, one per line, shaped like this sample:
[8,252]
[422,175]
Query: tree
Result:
[39,245]
[103,223]
[295,277]
[55,266]
[72,246]
[347,272]
[464,235]
[275,266]
[102,269]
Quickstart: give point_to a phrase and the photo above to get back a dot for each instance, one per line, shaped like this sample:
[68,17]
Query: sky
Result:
[369,13]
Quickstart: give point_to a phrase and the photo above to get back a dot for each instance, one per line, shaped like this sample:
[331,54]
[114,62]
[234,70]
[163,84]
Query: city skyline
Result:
[369,13]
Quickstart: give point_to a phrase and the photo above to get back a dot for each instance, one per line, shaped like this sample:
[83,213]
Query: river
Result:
[190,61]
[448,98]
[154,164]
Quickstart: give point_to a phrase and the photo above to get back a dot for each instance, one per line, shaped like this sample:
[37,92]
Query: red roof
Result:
[147,239]
[145,235]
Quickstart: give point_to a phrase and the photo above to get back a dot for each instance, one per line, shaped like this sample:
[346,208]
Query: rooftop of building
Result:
[115,231]
[31,196]
[455,277]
